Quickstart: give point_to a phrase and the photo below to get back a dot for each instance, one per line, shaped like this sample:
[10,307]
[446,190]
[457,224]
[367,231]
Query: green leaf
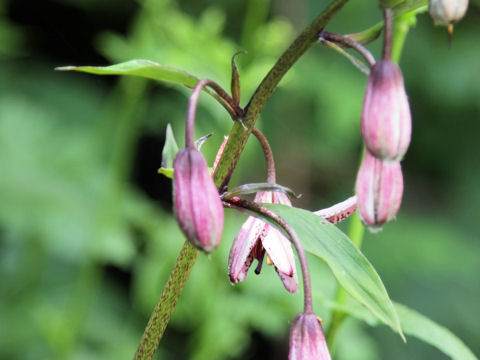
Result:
[146,69]
[421,327]
[413,324]
[350,267]
[170,149]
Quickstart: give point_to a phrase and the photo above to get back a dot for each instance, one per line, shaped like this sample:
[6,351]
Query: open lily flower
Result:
[255,238]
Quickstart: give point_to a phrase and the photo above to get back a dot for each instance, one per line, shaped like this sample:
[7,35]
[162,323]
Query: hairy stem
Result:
[164,308]
[307,285]
[267,150]
[240,131]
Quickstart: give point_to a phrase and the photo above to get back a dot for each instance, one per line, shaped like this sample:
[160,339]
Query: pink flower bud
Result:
[307,341]
[386,120]
[447,12]
[379,190]
[196,201]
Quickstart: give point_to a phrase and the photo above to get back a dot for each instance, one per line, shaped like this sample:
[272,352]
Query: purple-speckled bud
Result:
[307,341]
[196,201]
[386,119]
[379,190]
[447,12]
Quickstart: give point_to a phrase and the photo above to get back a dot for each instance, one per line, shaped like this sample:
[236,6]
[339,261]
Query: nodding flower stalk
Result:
[306,337]
[196,201]
[257,238]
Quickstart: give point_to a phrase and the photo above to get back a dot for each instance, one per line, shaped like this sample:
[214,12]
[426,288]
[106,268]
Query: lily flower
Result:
[255,238]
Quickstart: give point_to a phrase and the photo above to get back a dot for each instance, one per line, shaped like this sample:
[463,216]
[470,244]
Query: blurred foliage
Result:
[87,237]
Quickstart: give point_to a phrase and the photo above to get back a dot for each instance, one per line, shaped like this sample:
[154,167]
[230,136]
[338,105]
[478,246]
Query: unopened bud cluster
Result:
[386,130]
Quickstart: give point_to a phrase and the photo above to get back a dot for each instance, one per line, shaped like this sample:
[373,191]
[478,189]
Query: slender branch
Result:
[252,206]
[267,150]
[353,59]
[372,33]
[234,110]
[239,135]
[348,42]
[165,306]
[387,35]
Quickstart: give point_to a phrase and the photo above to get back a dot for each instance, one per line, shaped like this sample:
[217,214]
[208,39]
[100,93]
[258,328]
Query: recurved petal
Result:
[289,282]
[241,257]
[279,250]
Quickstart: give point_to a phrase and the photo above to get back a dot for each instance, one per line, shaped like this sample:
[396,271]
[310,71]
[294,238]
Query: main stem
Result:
[239,133]
[236,143]
[165,306]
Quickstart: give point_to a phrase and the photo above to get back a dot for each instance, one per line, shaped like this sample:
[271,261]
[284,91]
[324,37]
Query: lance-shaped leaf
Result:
[235,83]
[350,267]
[413,324]
[146,69]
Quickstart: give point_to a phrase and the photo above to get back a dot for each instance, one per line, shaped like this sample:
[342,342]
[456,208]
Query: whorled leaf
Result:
[146,69]
[354,273]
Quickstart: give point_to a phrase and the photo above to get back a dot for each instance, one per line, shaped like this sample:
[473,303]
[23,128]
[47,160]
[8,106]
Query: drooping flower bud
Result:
[307,340]
[386,120]
[197,205]
[379,190]
[447,12]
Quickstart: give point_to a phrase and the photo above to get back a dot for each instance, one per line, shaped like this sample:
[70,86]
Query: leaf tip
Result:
[65,68]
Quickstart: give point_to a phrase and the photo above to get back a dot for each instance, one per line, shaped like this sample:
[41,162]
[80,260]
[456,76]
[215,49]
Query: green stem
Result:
[236,142]
[165,306]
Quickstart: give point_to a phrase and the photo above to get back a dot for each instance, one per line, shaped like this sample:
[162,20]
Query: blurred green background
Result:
[87,237]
